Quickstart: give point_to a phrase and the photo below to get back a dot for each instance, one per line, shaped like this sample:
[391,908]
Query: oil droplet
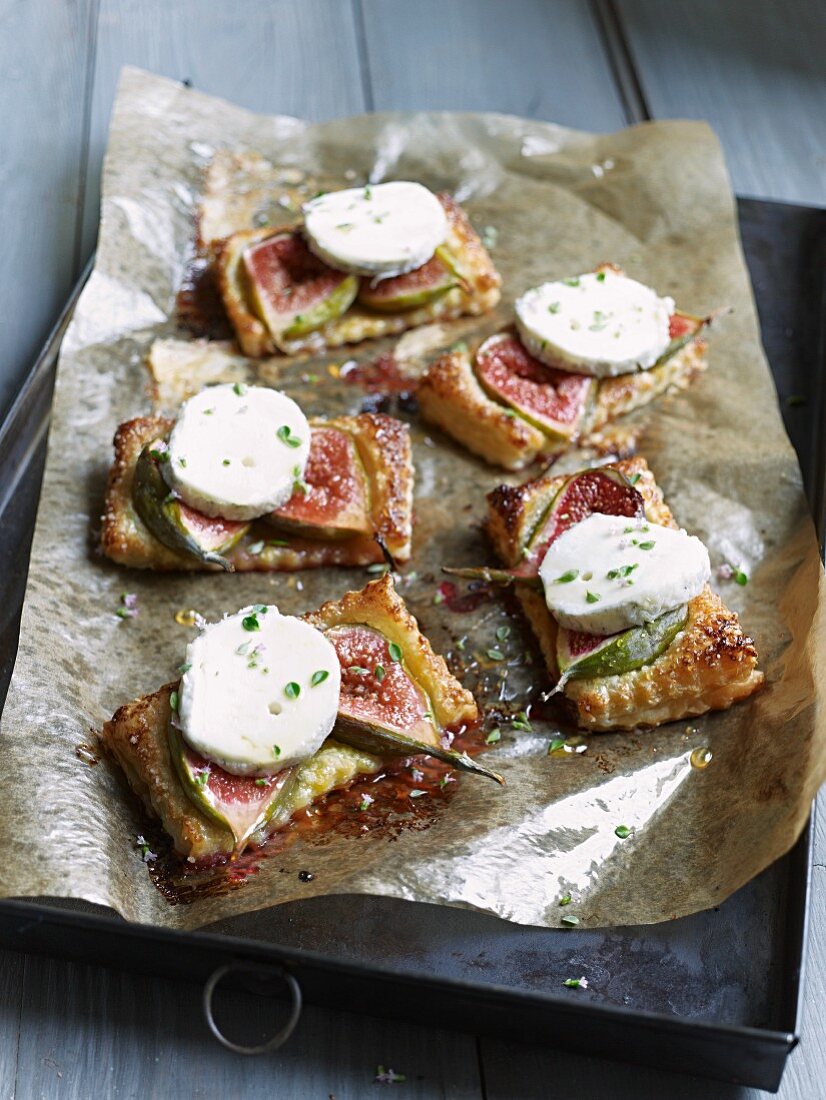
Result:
[700,757]
[334,370]
[186,617]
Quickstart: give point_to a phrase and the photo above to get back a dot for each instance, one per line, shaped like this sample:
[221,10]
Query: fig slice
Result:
[172,521]
[334,500]
[552,400]
[682,329]
[242,803]
[587,656]
[598,490]
[381,708]
[291,290]
[413,290]
[601,490]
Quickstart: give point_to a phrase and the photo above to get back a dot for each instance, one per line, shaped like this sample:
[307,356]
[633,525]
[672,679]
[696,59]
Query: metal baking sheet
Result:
[723,987]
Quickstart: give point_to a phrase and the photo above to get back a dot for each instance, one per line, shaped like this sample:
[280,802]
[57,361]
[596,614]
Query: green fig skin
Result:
[244,826]
[625,652]
[328,309]
[416,289]
[166,516]
[381,741]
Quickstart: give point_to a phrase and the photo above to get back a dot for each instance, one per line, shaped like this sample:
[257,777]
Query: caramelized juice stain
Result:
[381,375]
[383,804]
[461,603]
[388,389]
[198,304]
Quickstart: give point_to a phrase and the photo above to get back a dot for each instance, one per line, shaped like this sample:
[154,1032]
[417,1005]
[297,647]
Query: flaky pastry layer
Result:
[478,294]
[137,738]
[710,665]
[383,444]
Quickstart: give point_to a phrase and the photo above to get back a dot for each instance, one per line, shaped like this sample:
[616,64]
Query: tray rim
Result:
[243,948]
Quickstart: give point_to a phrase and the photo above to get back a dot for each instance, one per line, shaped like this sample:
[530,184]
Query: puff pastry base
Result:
[710,665]
[383,444]
[136,736]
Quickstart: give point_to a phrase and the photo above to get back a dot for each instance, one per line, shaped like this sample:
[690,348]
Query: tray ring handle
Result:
[237,967]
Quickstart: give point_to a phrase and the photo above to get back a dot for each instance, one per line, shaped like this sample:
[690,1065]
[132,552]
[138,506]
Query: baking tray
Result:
[717,994]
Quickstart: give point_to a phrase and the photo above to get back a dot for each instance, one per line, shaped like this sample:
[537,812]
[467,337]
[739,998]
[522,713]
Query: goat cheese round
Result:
[237,451]
[608,573]
[383,229]
[260,691]
[602,324]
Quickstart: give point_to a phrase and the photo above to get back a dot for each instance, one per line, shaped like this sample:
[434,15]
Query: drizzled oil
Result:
[700,757]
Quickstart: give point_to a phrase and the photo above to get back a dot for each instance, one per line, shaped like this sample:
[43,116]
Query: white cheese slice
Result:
[237,451]
[608,573]
[254,698]
[383,229]
[602,324]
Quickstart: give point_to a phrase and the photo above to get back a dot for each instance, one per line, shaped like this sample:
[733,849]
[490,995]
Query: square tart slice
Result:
[462,393]
[709,665]
[137,734]
[380,446]
[474,290]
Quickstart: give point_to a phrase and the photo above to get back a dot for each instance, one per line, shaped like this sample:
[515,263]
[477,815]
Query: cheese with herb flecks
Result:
[608,573]
[260,691]
[237,451]
[382,229]
[602,324]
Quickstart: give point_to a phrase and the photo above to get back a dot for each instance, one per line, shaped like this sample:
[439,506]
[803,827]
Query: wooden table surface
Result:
[754,69]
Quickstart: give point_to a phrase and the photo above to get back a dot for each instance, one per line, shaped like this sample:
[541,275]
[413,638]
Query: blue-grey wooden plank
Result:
[539,58]
[755,71]
[44,51]
[278,57]
[12,968]
[92,1033]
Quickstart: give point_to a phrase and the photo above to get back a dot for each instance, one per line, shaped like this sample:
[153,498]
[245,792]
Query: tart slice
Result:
[584,351]
[364,262]
[273,712]
[243,481]
[618,598]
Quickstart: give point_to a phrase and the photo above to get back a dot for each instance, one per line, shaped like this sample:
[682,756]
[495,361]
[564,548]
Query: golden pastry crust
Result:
[709,666]
[622,395]
[383,444]
[478,294]
[451,397]
[136,736]
[137,733]
[380,606]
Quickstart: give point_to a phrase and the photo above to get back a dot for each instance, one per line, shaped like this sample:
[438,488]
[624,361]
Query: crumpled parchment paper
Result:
[655,199]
